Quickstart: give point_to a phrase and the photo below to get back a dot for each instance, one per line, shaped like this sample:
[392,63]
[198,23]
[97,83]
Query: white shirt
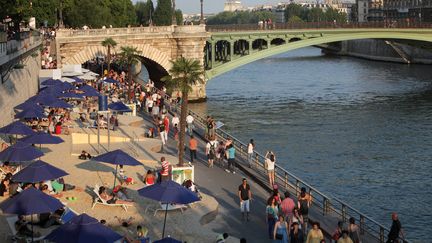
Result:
[189,119]
[213,143]
[270,164]
[175,120]
[250,148]
[154,96]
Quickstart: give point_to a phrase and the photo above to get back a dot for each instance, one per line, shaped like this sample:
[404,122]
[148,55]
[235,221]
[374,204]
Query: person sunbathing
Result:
[22,228]
[7,168]
[110,199]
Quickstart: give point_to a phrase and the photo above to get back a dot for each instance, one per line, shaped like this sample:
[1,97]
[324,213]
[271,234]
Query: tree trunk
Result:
[109,57]
[182,133]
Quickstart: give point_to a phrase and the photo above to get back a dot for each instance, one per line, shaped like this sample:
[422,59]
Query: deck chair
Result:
[11,220]
[162,207]
[67,215]
[99,200]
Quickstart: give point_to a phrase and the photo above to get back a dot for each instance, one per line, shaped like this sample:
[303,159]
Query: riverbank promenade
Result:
[216,213]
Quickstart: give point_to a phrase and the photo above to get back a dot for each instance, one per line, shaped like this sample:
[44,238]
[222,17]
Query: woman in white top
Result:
[270,160]
[251,147]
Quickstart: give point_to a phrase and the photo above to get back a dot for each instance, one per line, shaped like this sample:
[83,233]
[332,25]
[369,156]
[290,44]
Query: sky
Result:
[213,6]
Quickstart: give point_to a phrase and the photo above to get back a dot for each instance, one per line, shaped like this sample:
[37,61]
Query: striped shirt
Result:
[165,167]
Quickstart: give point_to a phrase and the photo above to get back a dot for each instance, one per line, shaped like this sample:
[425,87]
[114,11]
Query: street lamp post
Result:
[174,19]
[60,24]
[202,13]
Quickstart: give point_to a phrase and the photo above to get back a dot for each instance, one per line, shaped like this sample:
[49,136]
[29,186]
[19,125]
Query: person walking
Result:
[395,230]
[230,154]
[315,235]
[280,232]
[354,231]
[165,169]
[211,151]
[296,234]
[250,150]
[272,216]
[190,124]
[344,238]
[287,206]
[167,127]
[193,146]
[245,196]
[270,160]
[175,121]
[304,202]
[162,133]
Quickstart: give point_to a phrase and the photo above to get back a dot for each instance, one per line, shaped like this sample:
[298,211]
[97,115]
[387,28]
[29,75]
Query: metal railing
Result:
[328,206]
[318,25]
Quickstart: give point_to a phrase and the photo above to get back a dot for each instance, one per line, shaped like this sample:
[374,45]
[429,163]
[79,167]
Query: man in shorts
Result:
[245,196]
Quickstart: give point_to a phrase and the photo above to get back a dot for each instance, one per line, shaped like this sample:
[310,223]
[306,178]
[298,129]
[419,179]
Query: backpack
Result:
[212,149]
[304,208]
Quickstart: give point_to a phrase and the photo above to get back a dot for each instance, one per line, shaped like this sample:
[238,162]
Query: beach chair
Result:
[99,200]
[163,207]
[11,220]
[67,215]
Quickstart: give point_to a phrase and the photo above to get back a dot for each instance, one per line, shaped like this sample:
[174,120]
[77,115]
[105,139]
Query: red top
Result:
[149,180]
[165,167]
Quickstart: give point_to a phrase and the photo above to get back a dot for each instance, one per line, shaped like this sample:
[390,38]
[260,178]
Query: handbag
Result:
[279,236]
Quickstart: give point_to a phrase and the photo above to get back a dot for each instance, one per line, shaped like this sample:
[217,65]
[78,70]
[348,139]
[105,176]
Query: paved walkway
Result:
[223,186]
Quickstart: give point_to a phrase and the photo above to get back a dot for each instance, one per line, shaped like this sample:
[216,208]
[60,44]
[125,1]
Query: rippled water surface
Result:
[356,129]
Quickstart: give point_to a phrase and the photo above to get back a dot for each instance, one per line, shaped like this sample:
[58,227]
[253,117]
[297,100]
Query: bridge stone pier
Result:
[157,46]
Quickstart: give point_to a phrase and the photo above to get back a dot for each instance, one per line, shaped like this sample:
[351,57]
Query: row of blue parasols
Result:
[166,192]
[52,95]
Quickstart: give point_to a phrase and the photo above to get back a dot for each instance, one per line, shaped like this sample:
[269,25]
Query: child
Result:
[125,178]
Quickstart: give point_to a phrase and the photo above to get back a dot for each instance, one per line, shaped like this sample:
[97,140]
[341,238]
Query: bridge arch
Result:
[259,44]
[241,47]
[277,42]
[156,62]
[316,40]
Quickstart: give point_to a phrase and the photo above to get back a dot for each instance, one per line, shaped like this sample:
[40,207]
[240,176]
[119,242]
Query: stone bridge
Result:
[219,49]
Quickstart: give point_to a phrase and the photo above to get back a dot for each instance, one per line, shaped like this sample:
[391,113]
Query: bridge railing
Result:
[129,31]
[315,25]
[328,206]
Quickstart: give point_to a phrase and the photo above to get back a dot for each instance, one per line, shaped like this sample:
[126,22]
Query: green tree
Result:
[163,13]
[179,17]
[45,10]
[295,19]
[122,13]
[241,17]
[294,10]
[18,10]
[316,15]
[94,13]
[109,43]
[185,73]
[129,57]
[144,12]
[332,14]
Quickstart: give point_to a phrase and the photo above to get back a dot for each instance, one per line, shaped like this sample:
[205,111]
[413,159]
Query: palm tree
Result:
[129,57]
[185,73]
[109,43]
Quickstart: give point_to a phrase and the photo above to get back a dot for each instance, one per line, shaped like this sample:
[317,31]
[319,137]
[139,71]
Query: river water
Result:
[356,129]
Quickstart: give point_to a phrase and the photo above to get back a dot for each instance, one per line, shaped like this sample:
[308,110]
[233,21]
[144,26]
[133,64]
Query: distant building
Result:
[375,10]
[232,6]
[362,7]
[408,11]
